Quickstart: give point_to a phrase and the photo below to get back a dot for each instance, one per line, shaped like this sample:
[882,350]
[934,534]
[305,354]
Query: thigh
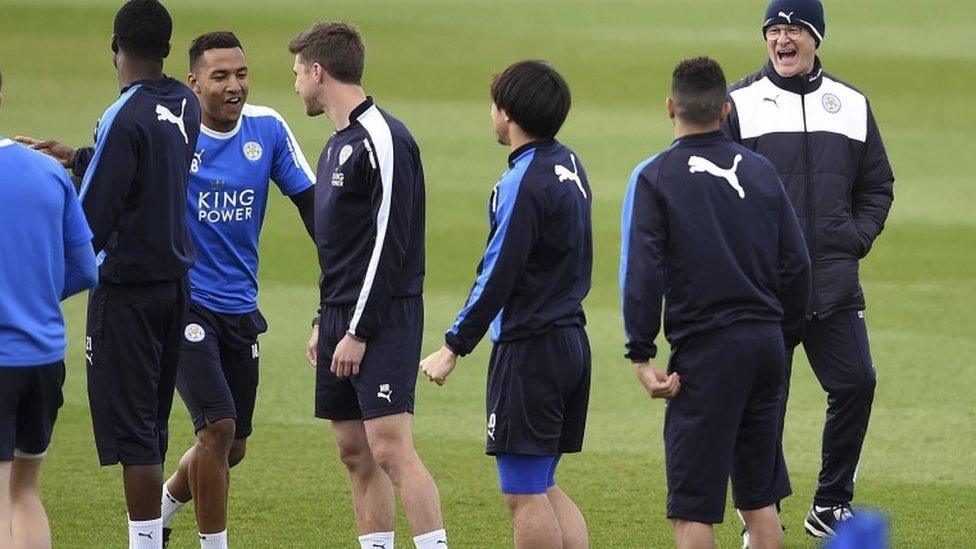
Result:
[759,476]
[38,409]
[10,391]
[128,331]
[200,377]
[700,425]
[387,378]
[335,398]
[838,350]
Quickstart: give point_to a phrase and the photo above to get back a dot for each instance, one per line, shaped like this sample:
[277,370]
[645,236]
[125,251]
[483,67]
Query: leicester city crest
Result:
[831,103]
[253,151]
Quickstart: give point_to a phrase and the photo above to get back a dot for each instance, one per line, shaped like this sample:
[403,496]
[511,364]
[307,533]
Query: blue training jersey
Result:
[226,200]
[40,217]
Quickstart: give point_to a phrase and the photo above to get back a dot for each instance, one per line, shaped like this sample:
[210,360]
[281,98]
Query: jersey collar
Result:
[361,109]
[521,151]
[796,84]
[224,135]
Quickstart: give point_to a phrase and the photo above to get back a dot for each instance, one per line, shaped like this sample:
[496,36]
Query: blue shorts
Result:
[520,474]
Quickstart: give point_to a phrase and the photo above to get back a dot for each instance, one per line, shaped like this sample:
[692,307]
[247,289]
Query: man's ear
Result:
[672,110]
[319,72]
[726,110]
[115,44]
[191,80]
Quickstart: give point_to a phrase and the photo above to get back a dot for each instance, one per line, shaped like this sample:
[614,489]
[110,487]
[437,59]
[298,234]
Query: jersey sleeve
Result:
[109,177]
[643,241]
[290,170]
[394,171]
[75,226]
[514,232]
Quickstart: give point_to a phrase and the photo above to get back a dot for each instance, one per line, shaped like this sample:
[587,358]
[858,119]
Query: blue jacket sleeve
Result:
[794,272]
[514,231]
[108,179]
[397,182]
[80,269]
[642,268]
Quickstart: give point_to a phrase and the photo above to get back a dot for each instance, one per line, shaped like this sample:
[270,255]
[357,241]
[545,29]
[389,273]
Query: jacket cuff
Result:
[455,344]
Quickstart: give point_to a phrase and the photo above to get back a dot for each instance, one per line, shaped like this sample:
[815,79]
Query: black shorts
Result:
[218,374]
[387,376]
[726,420]
[538,393]
[30,397]
[133,347]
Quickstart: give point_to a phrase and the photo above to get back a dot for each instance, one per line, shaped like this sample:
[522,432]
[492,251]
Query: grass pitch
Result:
[429,63]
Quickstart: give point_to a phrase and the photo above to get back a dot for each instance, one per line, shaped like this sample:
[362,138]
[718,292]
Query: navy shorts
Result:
[387,375]
[132,346]
[29,401]
[726,420]
[218,374]
[538,394]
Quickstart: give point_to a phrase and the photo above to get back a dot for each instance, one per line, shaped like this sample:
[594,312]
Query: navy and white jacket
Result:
[707,225]
[369,217]
[820,134]
[537,267]
[135,180]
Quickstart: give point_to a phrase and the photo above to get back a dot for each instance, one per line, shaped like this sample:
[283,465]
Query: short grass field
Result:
[430,62]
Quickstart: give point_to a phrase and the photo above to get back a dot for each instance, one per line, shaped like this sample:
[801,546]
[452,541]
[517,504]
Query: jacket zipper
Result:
[811,208]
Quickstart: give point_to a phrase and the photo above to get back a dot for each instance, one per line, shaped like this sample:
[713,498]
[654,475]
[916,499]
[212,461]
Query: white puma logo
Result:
[697,164]
[385,392]
[788,17]
[166,115]
[563,173]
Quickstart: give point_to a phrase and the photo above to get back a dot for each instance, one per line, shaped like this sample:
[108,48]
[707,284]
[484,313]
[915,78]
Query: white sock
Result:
[376,540]
[431,540]
[146,534]
[213,541]
[170,505]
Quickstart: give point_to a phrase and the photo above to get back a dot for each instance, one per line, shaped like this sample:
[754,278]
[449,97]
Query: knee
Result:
[217,436]
[356,457]
[390,459]
[237,452]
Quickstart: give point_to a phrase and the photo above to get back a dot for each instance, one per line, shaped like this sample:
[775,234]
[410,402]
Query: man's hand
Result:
[61,153]
[312,350]
[439,365]
[657,383]
[347,356]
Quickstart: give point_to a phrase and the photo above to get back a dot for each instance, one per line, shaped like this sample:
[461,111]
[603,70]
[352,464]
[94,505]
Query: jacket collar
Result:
[517,153]
[796,84]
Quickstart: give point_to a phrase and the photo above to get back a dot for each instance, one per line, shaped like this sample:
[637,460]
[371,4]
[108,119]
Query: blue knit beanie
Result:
[806,13]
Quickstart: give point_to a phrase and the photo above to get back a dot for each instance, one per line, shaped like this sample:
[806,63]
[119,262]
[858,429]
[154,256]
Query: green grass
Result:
[430,63]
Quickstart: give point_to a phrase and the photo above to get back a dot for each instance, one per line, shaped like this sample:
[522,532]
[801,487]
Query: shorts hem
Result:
[753,505]
[337,416]
[387,412]
[127,462]
[21,454]
[213,417]
[695,517]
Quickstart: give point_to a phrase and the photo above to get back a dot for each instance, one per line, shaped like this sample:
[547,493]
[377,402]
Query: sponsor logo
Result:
[697,164]
[338,179]
[787,16]
[255,352]
[344,154]
[253,151]
[773,100]
[491,426]
[88,350]
[218,205]
[163,114]
[563,173]
[385,392]
[194,333]
[831,103]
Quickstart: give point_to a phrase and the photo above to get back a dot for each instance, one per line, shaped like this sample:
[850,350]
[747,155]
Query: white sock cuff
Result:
[146,523]
[431,540]
[218,540]
[385,539]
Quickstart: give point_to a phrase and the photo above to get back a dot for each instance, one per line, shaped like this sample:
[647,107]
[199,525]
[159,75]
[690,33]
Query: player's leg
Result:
[6,534]
[759,476]
[373,498]
[524,482]
[391,443]
[840,356]
[29,522]
[573,346]
[700,429]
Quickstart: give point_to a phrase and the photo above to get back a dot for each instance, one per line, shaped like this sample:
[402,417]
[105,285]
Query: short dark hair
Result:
[534,95]
[143,28]
[212,41]
[698,90]
[335,45]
